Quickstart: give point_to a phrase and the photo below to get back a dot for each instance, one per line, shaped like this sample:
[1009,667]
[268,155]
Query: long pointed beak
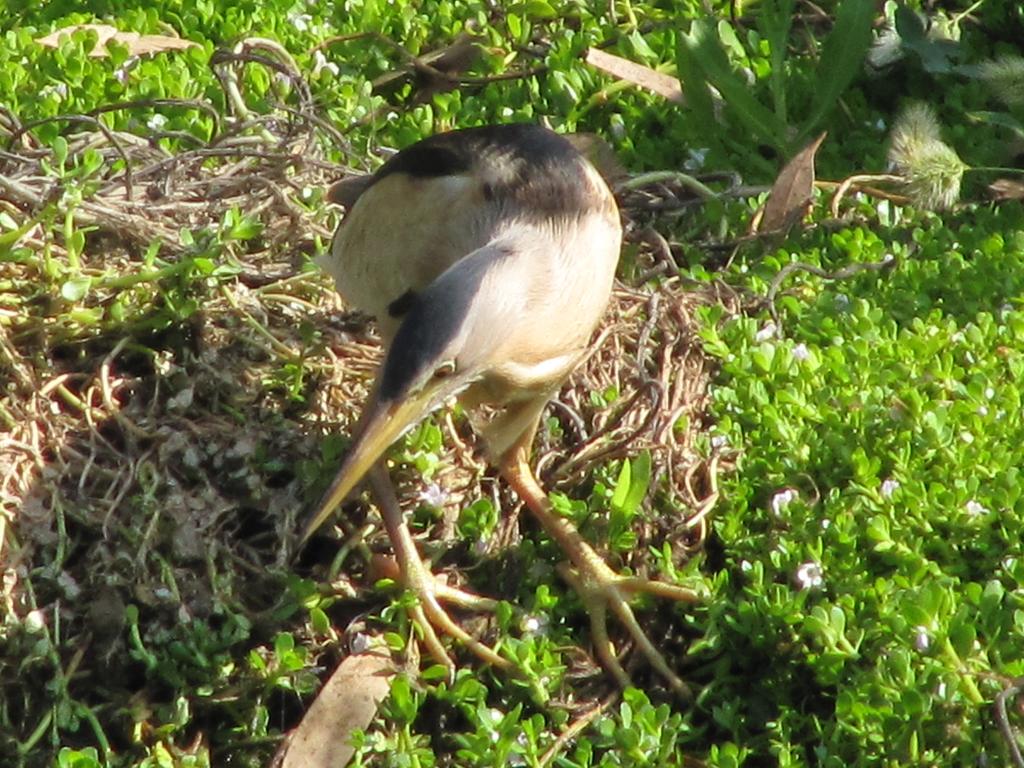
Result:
[381,425]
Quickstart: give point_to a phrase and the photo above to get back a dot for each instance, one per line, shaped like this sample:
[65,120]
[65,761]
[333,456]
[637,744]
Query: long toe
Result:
[603,591]
[428,614]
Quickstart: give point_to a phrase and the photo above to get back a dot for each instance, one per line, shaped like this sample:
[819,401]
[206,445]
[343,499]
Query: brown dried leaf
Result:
[637,74]
[457,57]
[347,702]
[1006,189]
[790,198]
[436,71]
[138,45]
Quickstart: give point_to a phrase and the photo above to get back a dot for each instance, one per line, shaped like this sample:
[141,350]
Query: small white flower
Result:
[921,638]
[826,524]
[810,576]
[156,122]
[880,125]
[719,441]
[842,302]
[974,508]
[982,410]
[940,690]
[121,75]
[783,499]
[889,487]
[800,352]
[967,437]
[35,621]
[746,566]
[60,90]
[535,625]
[765,333]
[321,63]
[433,495]
[300,21]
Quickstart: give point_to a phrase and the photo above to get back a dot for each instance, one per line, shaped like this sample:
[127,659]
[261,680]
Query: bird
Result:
[487,256]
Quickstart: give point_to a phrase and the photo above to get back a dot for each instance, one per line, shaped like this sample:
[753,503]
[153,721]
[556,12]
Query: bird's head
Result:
[445,343]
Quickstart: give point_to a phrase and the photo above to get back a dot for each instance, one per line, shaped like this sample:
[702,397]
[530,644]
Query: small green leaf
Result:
[622,486]
[639,482]
[535,9]
[76,288]
[60,151]
[319,621]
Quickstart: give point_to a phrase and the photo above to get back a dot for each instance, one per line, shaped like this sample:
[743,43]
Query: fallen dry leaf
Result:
[435,71]
[1006,189]
[347,702]
[137,44]
[790,197]
[637,74]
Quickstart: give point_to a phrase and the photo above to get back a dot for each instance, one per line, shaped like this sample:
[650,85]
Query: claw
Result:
[428,614]
[599,586]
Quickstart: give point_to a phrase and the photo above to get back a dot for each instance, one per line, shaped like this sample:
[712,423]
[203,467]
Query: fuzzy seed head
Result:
[1005,78]
[932,170]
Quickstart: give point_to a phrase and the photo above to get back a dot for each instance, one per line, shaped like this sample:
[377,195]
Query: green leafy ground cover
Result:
[863,568]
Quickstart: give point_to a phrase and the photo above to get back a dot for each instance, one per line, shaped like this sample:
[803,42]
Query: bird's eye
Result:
[445,369]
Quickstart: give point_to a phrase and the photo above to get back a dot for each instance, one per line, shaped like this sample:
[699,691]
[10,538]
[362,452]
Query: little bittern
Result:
[487,256]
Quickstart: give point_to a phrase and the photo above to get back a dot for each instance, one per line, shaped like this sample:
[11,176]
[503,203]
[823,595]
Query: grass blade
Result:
[703,49]
[842,56]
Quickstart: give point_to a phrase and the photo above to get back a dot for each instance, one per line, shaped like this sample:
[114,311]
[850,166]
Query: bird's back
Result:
[450,194]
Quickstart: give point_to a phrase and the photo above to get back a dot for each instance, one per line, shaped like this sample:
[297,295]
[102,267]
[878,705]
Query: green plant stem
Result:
[149,276]
[970,689]
[97,729]
[656,177]
[994,169]
[37,733]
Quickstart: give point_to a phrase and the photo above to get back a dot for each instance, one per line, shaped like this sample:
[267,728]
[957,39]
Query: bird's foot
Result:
[429,592]
[603,590]
[431,618]
[599,586]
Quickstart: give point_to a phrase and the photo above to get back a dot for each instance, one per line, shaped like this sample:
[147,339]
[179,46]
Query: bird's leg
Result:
[600,588]
[427,612]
